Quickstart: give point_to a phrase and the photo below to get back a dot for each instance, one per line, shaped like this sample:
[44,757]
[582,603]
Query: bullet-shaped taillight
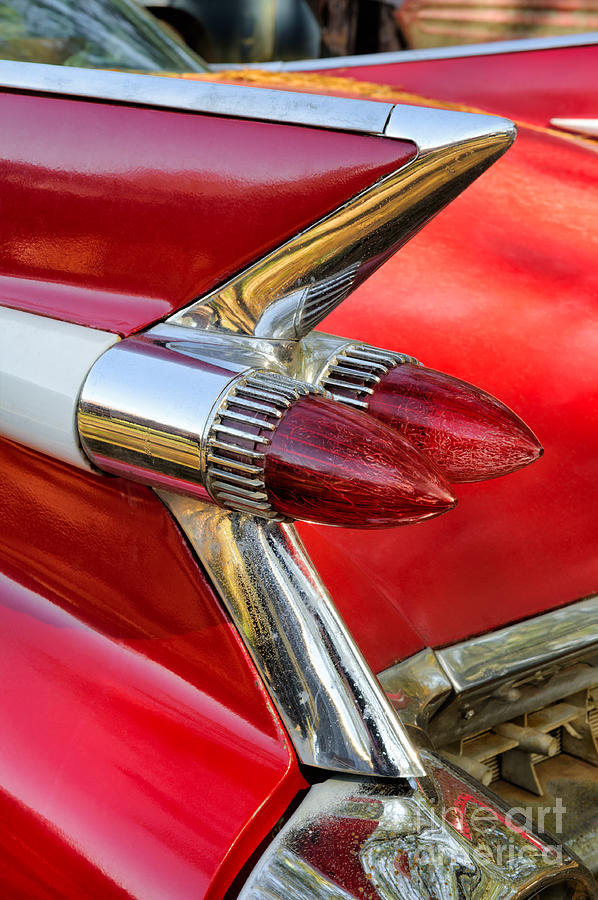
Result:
[467,433]
[292,456]
[250,440]
[332,465]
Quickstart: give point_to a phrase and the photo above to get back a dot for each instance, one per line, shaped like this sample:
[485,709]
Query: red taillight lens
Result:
[466,432]
[329,464]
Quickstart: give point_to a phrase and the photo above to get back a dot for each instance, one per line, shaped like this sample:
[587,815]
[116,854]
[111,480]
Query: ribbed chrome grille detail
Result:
[324,296]
[240,435]
[355,371]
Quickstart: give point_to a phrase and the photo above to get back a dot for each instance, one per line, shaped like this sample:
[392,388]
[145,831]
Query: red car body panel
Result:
[132,714]
[499,290]
[127,214]
[37,863]
[529,87]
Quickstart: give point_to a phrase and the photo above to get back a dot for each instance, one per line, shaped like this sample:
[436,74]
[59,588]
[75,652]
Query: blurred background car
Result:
[260,30]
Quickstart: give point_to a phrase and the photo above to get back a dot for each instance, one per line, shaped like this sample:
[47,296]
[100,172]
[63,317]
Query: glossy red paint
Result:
[138,739]
[468,434]
[528,87]
[115,216]
[330,464]
[37,862]
[500,289]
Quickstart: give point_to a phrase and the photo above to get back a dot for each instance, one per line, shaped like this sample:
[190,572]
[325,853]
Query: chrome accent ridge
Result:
[491,48]
[248,414]
[290,290]
[435,130]
[525,645]
[353,373]
[349,837]
[212,98]
[419,685]
[335,711]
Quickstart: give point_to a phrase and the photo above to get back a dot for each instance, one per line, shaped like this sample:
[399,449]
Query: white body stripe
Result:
[43,363]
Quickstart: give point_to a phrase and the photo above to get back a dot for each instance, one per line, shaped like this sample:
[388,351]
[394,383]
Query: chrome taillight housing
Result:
[249,439]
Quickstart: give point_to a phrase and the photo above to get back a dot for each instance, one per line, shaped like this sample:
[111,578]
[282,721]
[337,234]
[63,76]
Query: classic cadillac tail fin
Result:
[290,290]
[154,407]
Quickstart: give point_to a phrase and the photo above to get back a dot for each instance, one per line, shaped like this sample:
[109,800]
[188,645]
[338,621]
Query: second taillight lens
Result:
[470,435]
[467,433]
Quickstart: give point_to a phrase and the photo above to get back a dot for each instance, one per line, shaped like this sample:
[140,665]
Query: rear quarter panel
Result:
[139,744]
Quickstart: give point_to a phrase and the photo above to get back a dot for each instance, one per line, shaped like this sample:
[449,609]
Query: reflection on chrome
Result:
[365,839]
[288,292]
[335,711]
[533,643]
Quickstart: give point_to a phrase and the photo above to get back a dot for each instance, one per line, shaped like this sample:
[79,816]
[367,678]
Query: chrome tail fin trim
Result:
[336,714]
[288,292]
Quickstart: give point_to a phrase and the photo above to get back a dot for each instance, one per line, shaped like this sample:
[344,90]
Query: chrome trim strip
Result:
[492,48]
[522,646]
[334,709]
[435,130]
[587,127]
[405,845]
[316,110]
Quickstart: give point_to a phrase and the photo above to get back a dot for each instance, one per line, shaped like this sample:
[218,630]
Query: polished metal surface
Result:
[353,372]
[232,350]
[533,697]
[470,713]
[434,130]
[349,838]
[190,413]
[315,110]
[525,45]
[491,679]
[248,414]
[288,292]
[335,712]
[418,685]
[144,408]
[526,645]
